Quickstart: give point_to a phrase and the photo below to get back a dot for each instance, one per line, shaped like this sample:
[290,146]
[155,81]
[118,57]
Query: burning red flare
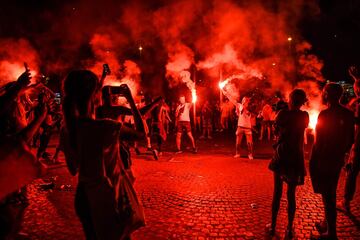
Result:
[313,116]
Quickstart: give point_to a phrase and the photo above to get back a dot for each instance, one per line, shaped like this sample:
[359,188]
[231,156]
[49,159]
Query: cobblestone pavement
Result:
[209,195]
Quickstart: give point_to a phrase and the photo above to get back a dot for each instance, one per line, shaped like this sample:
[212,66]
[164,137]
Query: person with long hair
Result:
[91,150]
[288,163]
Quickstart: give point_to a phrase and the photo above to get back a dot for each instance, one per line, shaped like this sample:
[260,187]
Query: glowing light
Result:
[193,95]
[313,116]
[140,48]
[274,64]
[222,84]
[289,39]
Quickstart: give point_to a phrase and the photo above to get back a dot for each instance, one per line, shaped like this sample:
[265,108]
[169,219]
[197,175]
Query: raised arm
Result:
[139,124]
[13,92]
[148,108]
[353,73]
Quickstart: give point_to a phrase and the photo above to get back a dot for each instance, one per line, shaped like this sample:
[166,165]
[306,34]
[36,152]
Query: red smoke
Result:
[13,54]
[240,37]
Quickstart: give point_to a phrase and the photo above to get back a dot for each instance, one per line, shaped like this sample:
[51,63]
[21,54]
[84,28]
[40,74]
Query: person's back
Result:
[98,145]
[292,124]
[334,134]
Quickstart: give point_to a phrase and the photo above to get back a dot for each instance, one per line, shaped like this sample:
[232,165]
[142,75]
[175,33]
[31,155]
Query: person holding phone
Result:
[91,150]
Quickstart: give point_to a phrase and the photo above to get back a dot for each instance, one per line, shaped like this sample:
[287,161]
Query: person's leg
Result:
[222,122]
[82,210]
[191,139]
[178,141]
[250,145]
[278,188]
[56,155]
[329,200]
[239,136]
[350,186]
[262,131]
[203,129]
[159,143]
[209,131]
[269,133]
[44,141]
[148,142]
[291,197]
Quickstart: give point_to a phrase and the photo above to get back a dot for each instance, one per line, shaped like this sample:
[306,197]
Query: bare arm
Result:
[29,131]
[148,108]
[139,124]
[13,92]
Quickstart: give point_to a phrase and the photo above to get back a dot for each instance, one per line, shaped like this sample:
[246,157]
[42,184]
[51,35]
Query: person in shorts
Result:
[183,123]
[244,127]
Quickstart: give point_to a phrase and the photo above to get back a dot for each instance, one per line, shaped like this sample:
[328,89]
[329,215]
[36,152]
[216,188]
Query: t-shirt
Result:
[244,119]
[183,112]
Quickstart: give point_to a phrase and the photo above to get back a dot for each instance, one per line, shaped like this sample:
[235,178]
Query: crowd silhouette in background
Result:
[97,133]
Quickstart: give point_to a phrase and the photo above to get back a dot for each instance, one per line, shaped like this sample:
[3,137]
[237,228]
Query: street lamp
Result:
[289,39]
[140,49]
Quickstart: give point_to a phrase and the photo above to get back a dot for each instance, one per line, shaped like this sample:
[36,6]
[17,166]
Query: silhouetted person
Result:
[159,117]
[334,137]
[17,165]
[206,116]
[353,166]
[91,149]
[288,161]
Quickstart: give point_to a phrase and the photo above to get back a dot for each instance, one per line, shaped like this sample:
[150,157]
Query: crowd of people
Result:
[98,129]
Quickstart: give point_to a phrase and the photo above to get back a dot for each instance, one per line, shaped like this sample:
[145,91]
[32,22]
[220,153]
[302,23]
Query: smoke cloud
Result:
[247,38]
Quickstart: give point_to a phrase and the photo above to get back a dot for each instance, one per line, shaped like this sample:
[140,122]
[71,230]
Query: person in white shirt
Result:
[183,123]
[244,125]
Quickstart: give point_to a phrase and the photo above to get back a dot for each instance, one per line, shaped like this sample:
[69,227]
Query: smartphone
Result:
[106,69]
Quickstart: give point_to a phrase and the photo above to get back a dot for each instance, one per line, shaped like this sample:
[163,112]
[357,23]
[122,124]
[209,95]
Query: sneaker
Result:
[343,206]
[251,157]
[178,152]
[155,154]
[194,150]
[210,137]
[202,137]
[237,156]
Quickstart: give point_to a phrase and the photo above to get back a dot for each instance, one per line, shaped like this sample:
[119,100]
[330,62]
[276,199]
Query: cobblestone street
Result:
[209,195]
